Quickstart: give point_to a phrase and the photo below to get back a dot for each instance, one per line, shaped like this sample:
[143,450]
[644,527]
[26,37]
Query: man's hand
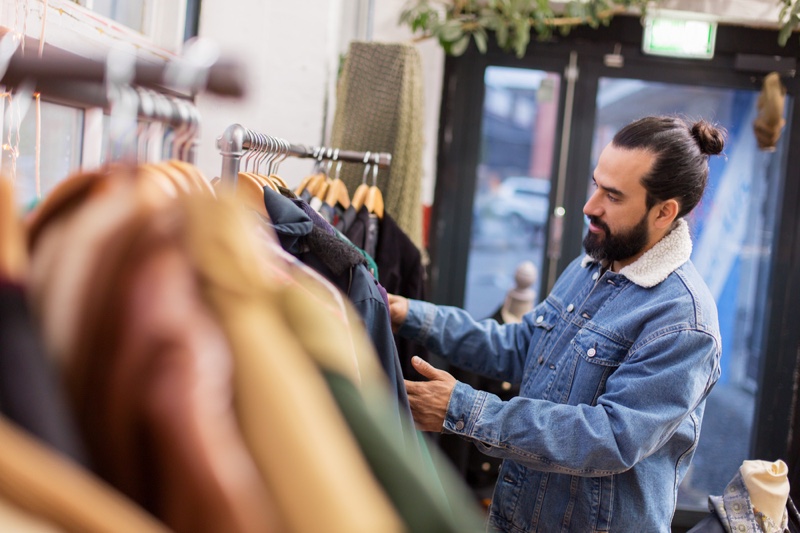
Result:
[429,399]
[398,311]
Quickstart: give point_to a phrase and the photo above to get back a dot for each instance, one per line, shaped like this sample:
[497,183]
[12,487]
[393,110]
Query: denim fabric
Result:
[614,377]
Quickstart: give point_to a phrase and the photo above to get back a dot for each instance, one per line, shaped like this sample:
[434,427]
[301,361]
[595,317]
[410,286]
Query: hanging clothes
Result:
[43,483]
[30,393]
[317,246]
[303,447]
[146,367]
[404,275]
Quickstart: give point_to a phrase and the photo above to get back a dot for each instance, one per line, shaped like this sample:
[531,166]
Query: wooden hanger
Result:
[374,201]
[360,193]
[306,183]
[249,192]
[374,198]
[194,175]
[278,180]
[13,258]
[264,181]
[336,193]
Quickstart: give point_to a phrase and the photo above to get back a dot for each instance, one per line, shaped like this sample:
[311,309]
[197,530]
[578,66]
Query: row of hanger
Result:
[333,191]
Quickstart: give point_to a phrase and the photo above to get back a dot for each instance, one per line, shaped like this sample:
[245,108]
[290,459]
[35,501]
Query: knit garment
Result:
[380,108]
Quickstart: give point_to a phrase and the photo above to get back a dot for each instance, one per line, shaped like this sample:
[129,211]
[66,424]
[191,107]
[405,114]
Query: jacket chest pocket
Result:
[543,324]
[596,357]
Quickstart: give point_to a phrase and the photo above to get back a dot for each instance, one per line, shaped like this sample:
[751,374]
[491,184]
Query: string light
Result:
[38,100]
[44,24]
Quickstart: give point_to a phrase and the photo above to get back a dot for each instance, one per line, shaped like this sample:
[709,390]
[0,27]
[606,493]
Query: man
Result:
[614,365]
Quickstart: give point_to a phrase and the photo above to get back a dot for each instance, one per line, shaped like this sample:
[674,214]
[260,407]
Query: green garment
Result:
[428,497]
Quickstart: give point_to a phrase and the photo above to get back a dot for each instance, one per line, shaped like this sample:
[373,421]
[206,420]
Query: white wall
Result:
[289,49]
[292,51]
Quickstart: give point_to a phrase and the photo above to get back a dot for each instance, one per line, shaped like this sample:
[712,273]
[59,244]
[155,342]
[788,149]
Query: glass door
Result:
[732,230]
[513,181]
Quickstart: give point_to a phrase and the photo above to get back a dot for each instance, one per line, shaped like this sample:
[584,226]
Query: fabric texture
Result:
[299,440]
[46,485]
[151,382]
[379,108]
[736,513]
[411,486]
[403,274]
[30,393]
[345,268]
[584,438]
[661,260]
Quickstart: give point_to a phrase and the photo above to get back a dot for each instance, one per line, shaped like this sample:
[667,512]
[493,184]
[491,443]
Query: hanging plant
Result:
[789,19]
[454,23]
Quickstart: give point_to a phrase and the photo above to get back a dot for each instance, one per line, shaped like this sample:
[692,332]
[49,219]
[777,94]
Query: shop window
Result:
[129,13]
[61,140]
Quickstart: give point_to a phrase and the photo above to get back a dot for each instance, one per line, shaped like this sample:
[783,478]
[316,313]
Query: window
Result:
[61,140]
[70,137]
[129,13]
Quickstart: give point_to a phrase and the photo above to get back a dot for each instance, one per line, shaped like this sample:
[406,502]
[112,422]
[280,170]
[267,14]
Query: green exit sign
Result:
[679,35]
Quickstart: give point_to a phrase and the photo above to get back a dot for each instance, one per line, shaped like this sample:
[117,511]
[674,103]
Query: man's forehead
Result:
[623,169]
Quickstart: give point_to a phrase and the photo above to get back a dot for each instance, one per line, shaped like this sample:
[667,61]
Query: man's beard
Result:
[616,247]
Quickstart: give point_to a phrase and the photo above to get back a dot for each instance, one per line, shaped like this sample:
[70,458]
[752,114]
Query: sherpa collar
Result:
[659,261]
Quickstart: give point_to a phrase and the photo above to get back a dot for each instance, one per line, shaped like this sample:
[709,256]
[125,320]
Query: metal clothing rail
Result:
[236,140]
[201,70]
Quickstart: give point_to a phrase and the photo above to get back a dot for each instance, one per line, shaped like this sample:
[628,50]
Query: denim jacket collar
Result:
[659,261]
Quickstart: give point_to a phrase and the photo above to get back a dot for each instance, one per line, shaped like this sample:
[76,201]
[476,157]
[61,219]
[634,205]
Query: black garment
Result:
[364,232]
[400,266]
[30,394]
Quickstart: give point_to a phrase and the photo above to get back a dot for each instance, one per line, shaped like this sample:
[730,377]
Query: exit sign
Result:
[679,34]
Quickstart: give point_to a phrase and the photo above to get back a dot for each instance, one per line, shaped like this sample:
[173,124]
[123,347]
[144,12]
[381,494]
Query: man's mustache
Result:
[599,223]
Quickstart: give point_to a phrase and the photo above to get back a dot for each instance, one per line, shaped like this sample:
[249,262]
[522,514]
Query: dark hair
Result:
[682,150]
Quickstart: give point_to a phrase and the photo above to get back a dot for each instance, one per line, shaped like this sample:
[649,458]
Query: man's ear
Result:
[666,213]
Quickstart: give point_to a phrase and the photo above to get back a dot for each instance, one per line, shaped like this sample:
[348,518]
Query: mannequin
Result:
[768,485]
[519,300]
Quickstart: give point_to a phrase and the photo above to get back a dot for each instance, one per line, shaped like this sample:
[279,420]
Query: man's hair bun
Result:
[710,139]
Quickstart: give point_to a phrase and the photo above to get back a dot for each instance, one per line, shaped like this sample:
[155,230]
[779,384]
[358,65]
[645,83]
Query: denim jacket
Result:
[614,371]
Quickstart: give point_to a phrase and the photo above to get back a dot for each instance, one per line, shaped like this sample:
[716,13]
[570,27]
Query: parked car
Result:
[521,203]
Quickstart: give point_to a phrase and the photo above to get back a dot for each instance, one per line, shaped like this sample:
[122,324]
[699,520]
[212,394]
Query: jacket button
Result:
[591,352]
[506,386]
[570,308]
[595,276]
[539,319]
[541,359]
[460,425]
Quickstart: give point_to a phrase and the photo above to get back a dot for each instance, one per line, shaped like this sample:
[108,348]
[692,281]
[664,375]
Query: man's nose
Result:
[592,206]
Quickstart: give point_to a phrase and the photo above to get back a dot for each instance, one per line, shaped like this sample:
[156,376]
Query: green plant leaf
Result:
[451,31]
[786,32]
[481,40]
[460,46]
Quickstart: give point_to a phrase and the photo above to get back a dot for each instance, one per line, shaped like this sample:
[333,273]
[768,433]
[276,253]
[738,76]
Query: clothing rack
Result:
[237,139]
[64,75]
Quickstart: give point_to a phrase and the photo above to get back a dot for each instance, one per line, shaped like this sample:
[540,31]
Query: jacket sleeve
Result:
[644,402]
[486,347]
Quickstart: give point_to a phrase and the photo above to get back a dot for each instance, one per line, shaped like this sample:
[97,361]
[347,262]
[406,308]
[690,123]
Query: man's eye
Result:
[613,198]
